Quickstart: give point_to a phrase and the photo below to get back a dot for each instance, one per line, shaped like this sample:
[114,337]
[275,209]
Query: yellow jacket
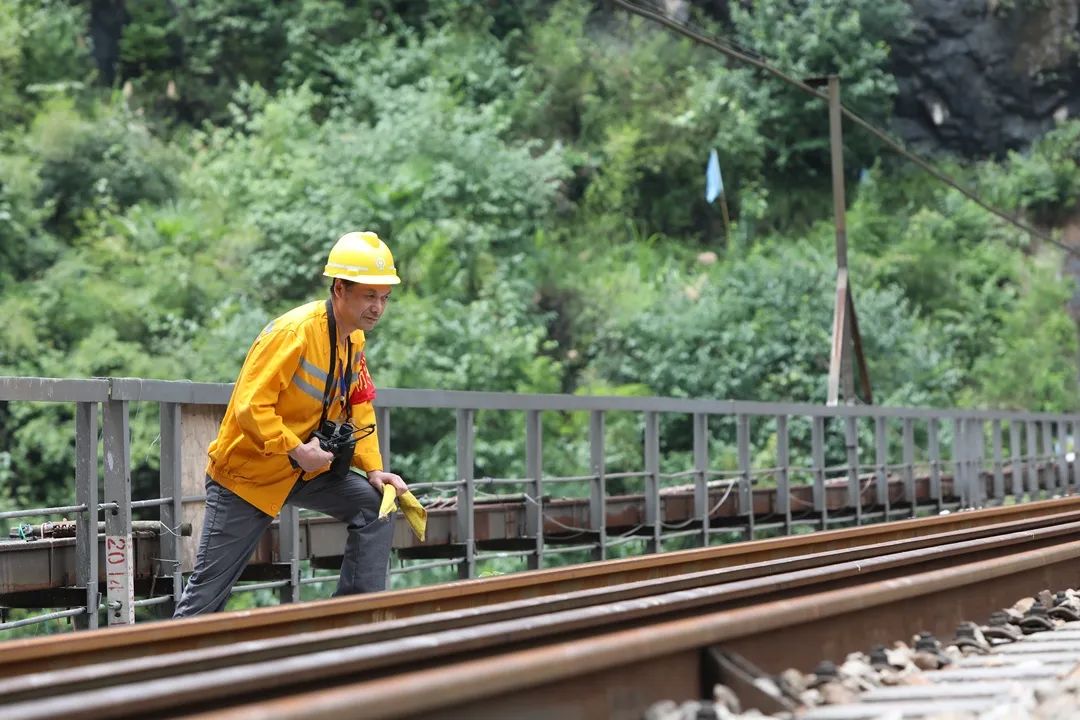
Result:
[276,403]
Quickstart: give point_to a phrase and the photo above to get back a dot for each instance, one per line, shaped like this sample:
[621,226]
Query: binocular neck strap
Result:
[331,373]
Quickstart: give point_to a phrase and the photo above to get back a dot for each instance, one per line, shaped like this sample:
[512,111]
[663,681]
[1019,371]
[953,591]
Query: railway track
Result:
[49,653]
[601,640]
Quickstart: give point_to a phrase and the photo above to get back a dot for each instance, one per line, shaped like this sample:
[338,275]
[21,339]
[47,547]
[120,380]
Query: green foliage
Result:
[10,60]
[43,51]
[806,38]
[960,267]
[758,327]
[1031,361]
[108,161]
[1046,180]
[643,107]
[189,58]
[26,247]
[195,54]
[299,184]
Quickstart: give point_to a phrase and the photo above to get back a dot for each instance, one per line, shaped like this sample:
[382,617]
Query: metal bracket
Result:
[753,687]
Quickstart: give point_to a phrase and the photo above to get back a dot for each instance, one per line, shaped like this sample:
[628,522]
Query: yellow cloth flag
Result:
[414,512]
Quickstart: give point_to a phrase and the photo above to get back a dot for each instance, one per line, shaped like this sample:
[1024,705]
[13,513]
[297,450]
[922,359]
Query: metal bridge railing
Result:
[992,456]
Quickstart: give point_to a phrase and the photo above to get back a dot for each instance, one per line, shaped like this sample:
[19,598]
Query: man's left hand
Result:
[378,478]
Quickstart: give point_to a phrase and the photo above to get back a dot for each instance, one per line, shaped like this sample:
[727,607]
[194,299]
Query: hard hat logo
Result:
[354,256]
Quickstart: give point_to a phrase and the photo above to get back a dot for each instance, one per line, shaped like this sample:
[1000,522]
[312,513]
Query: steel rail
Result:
[105,673]
[413,645]
[635,666]
[57,652]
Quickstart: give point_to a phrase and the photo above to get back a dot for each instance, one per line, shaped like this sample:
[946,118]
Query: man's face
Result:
[363,305]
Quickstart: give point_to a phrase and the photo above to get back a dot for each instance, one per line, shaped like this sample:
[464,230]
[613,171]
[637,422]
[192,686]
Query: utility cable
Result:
[744,57]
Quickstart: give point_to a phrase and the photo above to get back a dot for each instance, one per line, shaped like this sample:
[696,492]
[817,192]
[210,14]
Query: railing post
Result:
[1017,464]
[999,470]
[168,568]
[980,462]
[118,559]
[783,476]
[1062,463]
[701,474]
[534,469]
[959,457]
[976,486]
[1075,482]
[817,452]
[289,552]
[908,460]
[466,494]
[1048,457]
[746,482]
[598,491]
[86,529]
[934,450]
[653,511]
[382,424]
[851,445]
[881,458]
[1032,460]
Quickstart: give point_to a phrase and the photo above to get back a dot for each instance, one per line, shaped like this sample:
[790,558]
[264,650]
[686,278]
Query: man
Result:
[305,372]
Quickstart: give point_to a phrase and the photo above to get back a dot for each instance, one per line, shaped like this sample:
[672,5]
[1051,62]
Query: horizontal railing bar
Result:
[183,391]
[553,480]
[568,478]
[676,475]
[158,600]
[435,485]
[316,579]
[70,612]
[150,503]
[44,511]
[469,400]
[259,586]
[35,389]
[173,391]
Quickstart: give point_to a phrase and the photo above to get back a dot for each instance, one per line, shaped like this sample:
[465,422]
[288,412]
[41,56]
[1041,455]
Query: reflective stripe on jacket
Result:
[276,403]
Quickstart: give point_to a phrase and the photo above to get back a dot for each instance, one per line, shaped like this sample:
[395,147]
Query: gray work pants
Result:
[232,528]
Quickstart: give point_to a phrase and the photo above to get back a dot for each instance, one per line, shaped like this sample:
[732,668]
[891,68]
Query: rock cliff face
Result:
[979,77]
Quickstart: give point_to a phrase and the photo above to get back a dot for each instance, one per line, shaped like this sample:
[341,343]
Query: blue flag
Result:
[714,184]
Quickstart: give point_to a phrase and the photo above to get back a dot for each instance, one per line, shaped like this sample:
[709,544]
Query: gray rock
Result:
[980,78]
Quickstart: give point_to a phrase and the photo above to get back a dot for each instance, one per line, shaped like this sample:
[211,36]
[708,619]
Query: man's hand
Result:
[310,457]
[378,478]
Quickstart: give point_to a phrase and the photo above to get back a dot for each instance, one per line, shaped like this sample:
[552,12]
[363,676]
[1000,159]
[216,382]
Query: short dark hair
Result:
[346,283]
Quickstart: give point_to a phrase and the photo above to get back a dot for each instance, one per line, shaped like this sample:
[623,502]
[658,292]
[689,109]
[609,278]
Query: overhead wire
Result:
[743,55]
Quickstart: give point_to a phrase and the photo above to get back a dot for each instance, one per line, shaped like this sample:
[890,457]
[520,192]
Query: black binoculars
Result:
[334,438]
[340,440]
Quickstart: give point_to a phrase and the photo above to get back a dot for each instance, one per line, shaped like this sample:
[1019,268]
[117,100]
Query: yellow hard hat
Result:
[361,257]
